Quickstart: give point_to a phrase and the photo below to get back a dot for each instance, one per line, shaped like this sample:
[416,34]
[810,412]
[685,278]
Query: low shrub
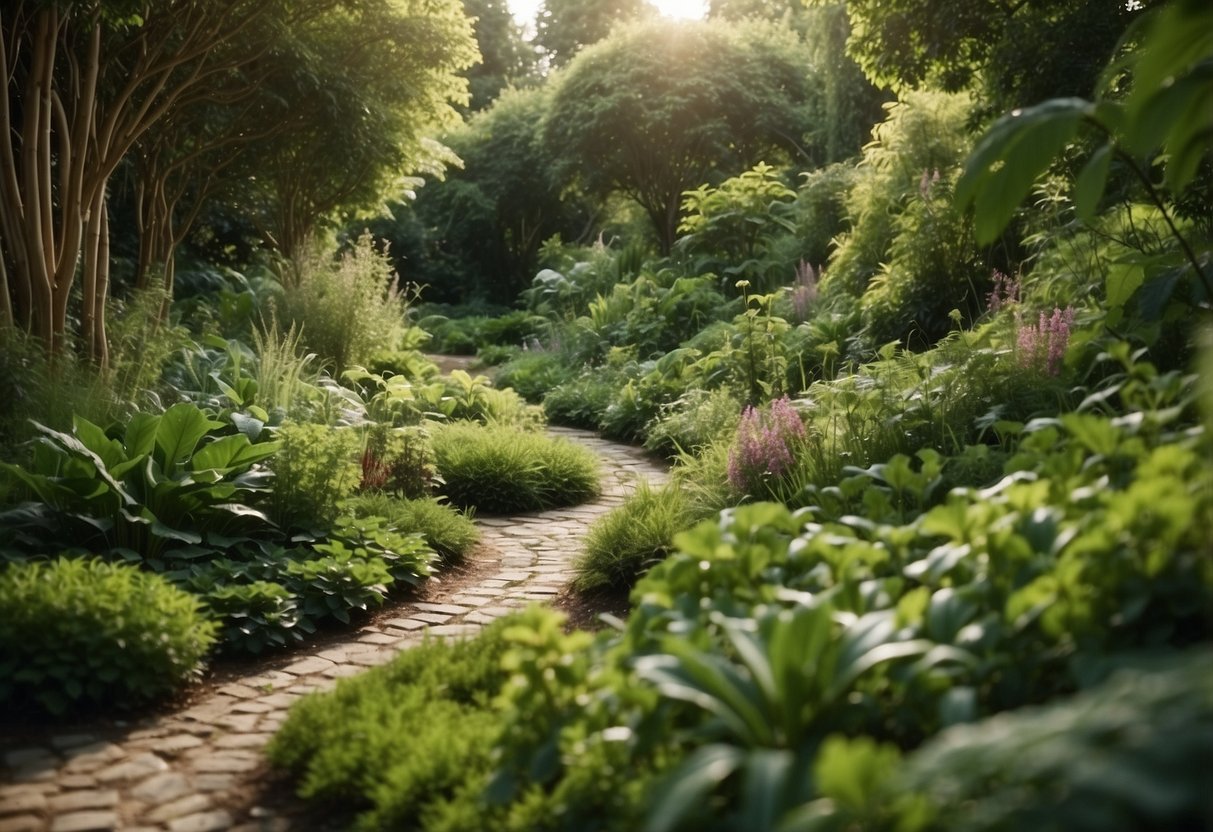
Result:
[449,531]
[400,737]
[501,469]
[315,468]
[82,632]
[623,544]
[581,402]
[696,420]
[533,374]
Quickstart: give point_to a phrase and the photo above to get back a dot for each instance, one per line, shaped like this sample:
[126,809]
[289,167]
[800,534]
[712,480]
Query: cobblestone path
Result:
[195,770]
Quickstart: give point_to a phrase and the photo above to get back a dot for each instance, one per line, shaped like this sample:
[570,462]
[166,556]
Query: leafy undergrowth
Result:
[500,469]
[875,658]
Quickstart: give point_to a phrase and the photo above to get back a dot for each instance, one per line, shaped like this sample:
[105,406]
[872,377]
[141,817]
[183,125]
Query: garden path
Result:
[202,768]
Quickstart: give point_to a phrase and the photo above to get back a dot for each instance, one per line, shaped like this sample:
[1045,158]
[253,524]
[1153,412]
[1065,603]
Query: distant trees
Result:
[1020,52]
[188,83]
[659,108]
[485,222]
[505,56]
[564,27]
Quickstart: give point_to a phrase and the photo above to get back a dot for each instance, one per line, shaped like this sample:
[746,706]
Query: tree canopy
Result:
[565,27]
[505,56]
[659,108]
[89,81]
[1021,51]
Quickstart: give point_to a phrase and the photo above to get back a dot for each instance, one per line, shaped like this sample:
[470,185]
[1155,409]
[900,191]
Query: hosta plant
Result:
[177,482]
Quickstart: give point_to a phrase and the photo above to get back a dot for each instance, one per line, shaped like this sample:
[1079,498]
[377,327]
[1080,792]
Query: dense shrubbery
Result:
[81,633]
[502,470]
[768,634]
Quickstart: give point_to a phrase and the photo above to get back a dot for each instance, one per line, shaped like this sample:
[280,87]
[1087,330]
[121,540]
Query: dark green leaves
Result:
[1017,149]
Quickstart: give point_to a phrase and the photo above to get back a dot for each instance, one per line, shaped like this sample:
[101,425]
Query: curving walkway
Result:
[199,769]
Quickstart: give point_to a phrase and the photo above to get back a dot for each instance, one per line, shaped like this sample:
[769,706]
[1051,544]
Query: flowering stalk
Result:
[765,445]
[1043,345]
[1005,292]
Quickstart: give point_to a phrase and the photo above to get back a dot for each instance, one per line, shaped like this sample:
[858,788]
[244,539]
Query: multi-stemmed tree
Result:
[347,91]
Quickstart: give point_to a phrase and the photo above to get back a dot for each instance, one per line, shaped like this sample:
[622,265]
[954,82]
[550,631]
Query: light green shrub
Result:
[315,468]
[402,736]
[924,132]
[449,531]
[501,469]
[85,633]
[346,310]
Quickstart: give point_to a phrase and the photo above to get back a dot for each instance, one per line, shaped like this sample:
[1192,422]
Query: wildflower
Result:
[1043,345]
[765,445]
[1005,292]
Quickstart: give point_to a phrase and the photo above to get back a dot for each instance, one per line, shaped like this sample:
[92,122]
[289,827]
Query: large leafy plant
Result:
[1164,120]
[177,482]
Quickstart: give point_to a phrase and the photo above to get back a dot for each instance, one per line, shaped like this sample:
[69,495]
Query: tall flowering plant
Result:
[766,445]
[1042,346]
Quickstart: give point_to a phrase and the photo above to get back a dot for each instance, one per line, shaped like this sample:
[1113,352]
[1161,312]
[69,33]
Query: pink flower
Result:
[1043,346]
[1005,292]
[765,445]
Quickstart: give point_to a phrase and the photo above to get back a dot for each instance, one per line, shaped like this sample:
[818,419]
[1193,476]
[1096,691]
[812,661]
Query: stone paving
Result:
[192,771]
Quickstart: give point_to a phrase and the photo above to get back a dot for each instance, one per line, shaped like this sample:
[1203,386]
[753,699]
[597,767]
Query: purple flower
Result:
[1043,346]
[765,444]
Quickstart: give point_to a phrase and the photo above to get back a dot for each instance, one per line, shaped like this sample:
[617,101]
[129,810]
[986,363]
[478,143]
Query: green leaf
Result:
[230,453]
[1091,181]
[94,438]
[766,788]
[687,788]
[1122,281]
[249,426]
[179,432]
[1007,161]
[141,434]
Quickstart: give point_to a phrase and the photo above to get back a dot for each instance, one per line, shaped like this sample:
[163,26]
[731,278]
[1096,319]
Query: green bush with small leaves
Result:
[402,737]
[315,468]
[501,469]
[449,531]
[82,633]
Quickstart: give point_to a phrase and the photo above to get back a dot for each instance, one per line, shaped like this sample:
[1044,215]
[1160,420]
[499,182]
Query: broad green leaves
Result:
[1008,160]
[1167,116]
[162,481]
